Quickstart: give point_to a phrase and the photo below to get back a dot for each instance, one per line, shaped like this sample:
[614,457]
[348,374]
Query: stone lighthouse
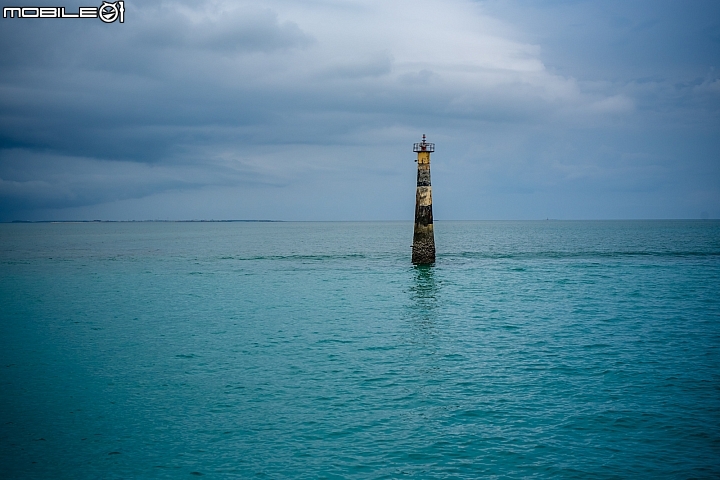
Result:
[423,250]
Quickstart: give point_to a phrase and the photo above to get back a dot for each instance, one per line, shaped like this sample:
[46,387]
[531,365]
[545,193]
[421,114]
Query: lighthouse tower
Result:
[423,250]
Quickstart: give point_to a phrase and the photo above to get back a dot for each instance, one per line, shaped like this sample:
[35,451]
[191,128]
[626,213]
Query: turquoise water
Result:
[315,350]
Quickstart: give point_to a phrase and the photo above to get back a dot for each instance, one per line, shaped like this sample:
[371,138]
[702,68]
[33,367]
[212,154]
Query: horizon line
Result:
[349,221]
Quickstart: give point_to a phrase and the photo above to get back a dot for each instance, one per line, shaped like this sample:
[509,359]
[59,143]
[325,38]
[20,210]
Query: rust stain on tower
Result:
[423,250]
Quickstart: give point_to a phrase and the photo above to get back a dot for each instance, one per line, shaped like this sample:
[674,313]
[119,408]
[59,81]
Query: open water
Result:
[315,350]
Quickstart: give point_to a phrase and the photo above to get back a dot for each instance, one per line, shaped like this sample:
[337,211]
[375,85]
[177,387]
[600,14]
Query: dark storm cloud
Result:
[191,96]
[135,90]
[617,40]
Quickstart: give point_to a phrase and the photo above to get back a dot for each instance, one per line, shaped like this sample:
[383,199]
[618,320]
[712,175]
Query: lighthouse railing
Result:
[424,147]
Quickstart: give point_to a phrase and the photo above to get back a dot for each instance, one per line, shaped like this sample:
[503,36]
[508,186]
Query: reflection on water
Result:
[423,296]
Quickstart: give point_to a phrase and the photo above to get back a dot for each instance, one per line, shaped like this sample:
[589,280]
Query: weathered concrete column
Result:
[423,250]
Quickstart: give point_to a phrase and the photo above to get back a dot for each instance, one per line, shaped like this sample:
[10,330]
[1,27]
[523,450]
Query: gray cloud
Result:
[233,30]
[536,99]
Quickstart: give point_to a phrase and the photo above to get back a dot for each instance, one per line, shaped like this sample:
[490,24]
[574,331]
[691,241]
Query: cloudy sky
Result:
[308,109]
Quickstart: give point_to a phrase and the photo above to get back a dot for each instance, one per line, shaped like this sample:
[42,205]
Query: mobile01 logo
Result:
[108,12]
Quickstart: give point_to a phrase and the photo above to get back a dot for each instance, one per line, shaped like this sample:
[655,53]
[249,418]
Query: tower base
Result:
[423,250]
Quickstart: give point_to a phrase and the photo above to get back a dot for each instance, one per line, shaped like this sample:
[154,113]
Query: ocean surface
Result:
[545,349]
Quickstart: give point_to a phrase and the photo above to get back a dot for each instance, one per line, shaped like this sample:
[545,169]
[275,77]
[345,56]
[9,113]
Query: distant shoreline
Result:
[139,221]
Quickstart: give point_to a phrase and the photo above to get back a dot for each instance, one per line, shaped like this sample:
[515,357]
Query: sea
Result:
[530,349]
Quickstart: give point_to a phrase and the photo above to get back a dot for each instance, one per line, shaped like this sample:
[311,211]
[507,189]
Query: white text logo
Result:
[108,12]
